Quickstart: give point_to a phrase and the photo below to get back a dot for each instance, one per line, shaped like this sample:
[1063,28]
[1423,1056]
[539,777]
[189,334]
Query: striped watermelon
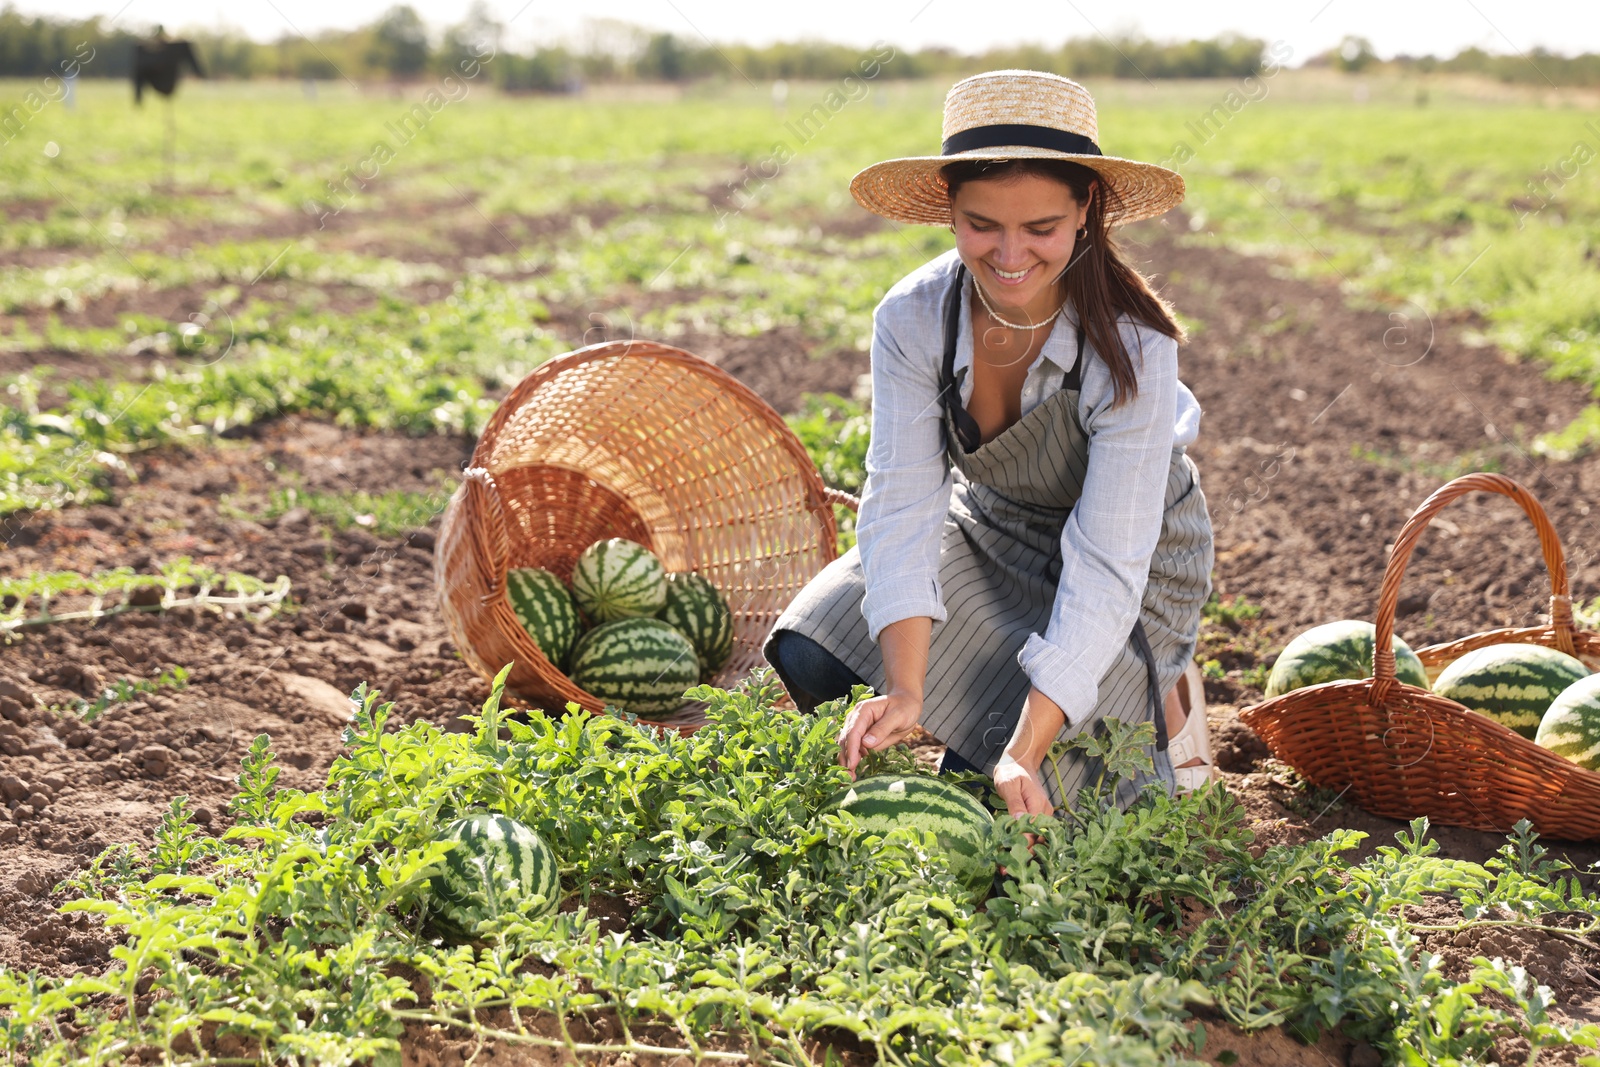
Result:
[1513,684]
[497,865]
[1571,727]
[964,826]
[695,608]
[638,665]
[619,579]
[1338,650]
[544,606]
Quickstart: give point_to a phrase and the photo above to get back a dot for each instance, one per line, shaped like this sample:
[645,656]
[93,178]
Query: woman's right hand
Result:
[876,724]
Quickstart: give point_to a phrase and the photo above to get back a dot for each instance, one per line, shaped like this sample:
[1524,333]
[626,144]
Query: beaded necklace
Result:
[995,316]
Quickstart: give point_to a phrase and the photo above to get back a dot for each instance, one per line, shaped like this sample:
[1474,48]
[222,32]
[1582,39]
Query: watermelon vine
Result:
[764,926]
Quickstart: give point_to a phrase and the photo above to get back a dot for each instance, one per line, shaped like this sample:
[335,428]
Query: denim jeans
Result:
[813,676]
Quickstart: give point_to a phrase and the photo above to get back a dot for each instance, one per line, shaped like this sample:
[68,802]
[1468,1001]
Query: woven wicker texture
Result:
[912,190]
[1402,752]
[638,440]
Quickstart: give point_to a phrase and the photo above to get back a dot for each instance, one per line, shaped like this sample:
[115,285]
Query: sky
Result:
[1440,27]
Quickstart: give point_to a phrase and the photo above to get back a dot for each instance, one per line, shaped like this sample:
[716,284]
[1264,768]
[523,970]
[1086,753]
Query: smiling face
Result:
[1016,236]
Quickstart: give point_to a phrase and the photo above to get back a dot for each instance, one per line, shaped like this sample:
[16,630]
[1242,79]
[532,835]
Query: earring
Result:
[1082,234]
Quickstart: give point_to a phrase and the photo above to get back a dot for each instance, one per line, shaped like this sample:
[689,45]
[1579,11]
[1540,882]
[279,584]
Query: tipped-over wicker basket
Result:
[1400,751]
[639,440]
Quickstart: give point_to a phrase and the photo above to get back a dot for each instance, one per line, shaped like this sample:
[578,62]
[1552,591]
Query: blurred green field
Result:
[391,258]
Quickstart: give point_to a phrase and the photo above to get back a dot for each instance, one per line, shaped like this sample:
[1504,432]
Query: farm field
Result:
[278,363]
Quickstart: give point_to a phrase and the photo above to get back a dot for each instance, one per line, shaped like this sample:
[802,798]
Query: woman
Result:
[1034,548]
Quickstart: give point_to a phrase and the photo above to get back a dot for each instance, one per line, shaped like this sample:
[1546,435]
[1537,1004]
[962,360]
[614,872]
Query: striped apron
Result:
[999,565]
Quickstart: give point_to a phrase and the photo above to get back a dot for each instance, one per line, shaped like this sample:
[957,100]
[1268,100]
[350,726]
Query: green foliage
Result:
[761,918]
[227,262]
[396,367]
[35,599]
[836,432]
[1505,230]
[387,514]
[1444,472]
[1256,677]
[1235,612]
[619,231]
[126,689]
[1118,749]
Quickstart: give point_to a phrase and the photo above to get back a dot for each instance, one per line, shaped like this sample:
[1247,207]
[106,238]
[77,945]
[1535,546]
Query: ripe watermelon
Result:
[639,665]
[544,606]
[1513,684]
[1571,727]
[496,865]
[1338,650]
[964,826]
[697,610]
[619,579]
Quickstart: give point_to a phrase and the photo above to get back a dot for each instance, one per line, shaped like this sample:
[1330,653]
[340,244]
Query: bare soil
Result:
[1320,435]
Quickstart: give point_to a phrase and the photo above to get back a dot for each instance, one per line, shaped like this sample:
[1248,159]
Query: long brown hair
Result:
[1100,284]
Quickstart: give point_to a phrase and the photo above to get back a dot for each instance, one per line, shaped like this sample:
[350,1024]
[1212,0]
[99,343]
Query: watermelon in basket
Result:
[619,579]
[1400,751]
[638,665]
[1337,650]
[1571,726]
[1513,683]
[696,609]
[648,443]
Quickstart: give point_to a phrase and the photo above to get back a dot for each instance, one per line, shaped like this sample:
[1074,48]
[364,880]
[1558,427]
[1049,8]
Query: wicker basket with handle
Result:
[639,440]
[1401,751]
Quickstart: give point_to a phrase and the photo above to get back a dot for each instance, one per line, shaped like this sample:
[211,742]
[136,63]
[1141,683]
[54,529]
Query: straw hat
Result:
[1013,114]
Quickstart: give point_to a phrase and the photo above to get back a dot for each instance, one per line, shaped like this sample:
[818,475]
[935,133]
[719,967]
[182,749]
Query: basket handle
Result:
[1383,678]
[840,497]
[483,497]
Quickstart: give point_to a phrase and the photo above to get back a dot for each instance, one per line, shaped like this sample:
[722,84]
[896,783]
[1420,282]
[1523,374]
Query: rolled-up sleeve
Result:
[908,487]
[1112,531]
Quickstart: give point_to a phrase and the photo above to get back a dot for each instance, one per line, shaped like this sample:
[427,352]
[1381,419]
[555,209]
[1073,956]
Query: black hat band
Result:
[1013,134]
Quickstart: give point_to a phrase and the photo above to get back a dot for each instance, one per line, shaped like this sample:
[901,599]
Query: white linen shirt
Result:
[1111,533]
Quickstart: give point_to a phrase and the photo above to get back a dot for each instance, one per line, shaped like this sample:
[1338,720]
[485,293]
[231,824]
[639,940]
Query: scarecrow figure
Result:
[156,63]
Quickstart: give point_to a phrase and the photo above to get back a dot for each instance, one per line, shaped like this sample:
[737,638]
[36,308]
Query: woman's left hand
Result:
[1022,790]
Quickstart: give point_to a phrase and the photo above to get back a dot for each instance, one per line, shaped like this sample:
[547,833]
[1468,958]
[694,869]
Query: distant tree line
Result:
[398,46]
[1537,66]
